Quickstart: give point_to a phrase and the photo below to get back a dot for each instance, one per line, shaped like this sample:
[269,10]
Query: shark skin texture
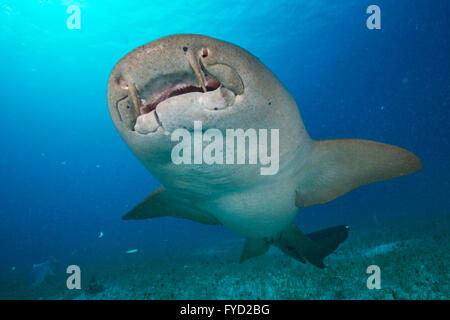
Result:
[174,81]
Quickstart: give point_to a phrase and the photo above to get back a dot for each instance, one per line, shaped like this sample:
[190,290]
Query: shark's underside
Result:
[173,82]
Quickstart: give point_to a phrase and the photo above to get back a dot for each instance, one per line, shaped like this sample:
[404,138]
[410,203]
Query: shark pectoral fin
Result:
[254,248]
[153,206]
[313,247]
[160,203]
[337,166]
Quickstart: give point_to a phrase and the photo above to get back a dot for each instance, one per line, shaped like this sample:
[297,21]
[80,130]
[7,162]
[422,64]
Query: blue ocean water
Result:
[67,176]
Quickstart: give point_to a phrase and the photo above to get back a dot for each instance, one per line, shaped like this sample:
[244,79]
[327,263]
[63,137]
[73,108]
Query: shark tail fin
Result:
[337,166]
[329,239]
[313,247]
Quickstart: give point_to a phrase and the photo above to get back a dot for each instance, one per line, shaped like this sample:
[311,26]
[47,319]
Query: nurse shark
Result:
[177,80]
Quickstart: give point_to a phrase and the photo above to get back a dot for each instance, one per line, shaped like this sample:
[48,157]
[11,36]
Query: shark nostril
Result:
[204,53]
[185,49]
[123,84]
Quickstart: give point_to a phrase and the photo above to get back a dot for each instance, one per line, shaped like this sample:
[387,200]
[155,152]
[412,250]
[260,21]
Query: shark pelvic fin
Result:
[160,203]
[337,166]
[254,248]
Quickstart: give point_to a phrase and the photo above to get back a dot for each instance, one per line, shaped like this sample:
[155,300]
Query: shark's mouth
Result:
[175,104]
[174,98]
[164,98]
[177,90]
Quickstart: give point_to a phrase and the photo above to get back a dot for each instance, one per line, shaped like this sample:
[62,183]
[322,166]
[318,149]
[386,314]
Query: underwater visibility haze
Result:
[73,180]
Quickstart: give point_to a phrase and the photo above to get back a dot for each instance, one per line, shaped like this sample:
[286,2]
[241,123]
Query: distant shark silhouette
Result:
[39,273]
[172,82]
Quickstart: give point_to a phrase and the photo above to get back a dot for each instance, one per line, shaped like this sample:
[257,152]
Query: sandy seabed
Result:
[413,258]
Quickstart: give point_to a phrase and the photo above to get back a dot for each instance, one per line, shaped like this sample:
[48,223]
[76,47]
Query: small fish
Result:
[100,235]
[132,251]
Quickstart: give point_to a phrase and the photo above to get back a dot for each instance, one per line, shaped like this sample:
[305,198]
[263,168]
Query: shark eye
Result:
[204,53]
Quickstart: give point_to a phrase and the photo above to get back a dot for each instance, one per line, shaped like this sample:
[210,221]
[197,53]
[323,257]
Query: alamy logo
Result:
[74,280]
[74,20]
[374,20]
[231,149]
[374,280]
